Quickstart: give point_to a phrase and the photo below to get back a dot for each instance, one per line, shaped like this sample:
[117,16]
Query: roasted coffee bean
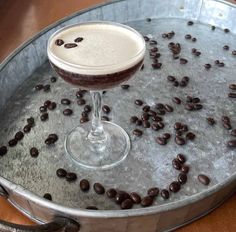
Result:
[161,111]
[138,122]
[156,65]
[194,50]
[207,66]
[53,79]
[179,140]
[135,197]
[147,201]
[221,64]
[146,108]
[137,132]
[70,45]
[226,30]
[12,142]
[144,116]
[91,207]
[79,39]
[153,192]
[52,106]
[181,158]
[53,136]
[178,133]
[194,39]
[153,42]
[34,152]
[127,204]
[38,87]
[46,88]
[65,101]
[182,178]
[189,106]
[197,53]
[178,126]
[168,108]
[30,121]
[47,196]
[125,86]
[213,28]
[188,36]
[166,136]
[231,143]
[164,35]
[197,106]
[226,47]
[156,118]
[121,196]
[159,106]
[184,128]
[138,102]
[19,135]
[174,186]
[106,109]
[59,42]
[154,49]
[165,194]
[190,136]
[217,62]
[49,141]
[161,125]
[196,100]
[84,185]
[171,78]
[161,141]
[176,164]
[190,23]
[204,179]
[185,169]
[152,113]
[61,173]
[71,177]
[234,52]
[81,101]
[27,128]
[225,119]
[133,119]
[146,124]
[47,103]
[105,118]
[227,125]
[182,83]
[189,99]
[176,83]
[232,95]
[84,119]
[185,78]
[232,86]
[111,193]
[98,188]
[233,133]
[42,109]
[67,112]
[211,121]
[3,150]
[79,94]
[183,61]
[44,117]
[176,100]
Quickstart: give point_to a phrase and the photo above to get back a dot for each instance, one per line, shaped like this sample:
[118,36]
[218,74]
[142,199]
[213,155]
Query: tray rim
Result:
[20,190]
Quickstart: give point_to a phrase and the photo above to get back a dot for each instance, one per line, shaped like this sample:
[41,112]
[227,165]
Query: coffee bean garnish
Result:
[232,95]
[61,173]
[91,207]
[157,118]
[59,42]
[65,101]
[49,141]
[47,196]
[106,109]
[52,106]
[71,177]
[168,108]
[125,87]
[185,169]
[174,187]
[46,88]
[181,158]
[19,135]
[153,192]
[30,121]
[179,140]
[146,124]
[188,36]
[111,193]
[213,28]
[161,141]
[121,196]
[47,103]
[135,197]
[84,119]
[44,117]
[38,87]
[194,39]
[233,133]
[178,126]
[176,100]
[157,65]
[204,179]
[171,78]
[53,136]
[182,178]
[81,102]
[34,152]
[226,30]
[133,119]
[176,164]
[67,112]
[3,150]
[79,39]
[227,125]
[183,61]
[153,42]
[138,122]
[231,143]
[225,119]
[98,188]
[226,47]
[146,108]
[144,116]
[232,86]
[105,118]
[166,136]
[165,194]
[42,109]
[27,128]
[137,132]
[190,136]
[84,185]
[234,52]
[70,45]
[127,204]
[190,23]
[53,79]
[207,66]
[176,83]
[147,201]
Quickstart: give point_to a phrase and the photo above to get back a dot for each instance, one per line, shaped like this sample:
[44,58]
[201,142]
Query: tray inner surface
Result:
[148,164]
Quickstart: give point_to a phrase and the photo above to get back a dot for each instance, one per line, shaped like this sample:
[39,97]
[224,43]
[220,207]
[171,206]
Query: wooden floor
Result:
[20,20]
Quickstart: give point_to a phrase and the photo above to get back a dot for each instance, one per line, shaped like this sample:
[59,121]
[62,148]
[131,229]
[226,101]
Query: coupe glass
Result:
[101,144]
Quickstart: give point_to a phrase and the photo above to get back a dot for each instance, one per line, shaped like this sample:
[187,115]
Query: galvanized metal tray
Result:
[26,179]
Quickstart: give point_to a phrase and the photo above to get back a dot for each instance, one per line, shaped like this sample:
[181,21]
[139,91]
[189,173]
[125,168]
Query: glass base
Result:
[86,154]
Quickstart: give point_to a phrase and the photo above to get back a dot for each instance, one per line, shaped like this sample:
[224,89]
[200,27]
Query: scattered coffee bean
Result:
[34,152]
[232,95]
[53,79]
[98,188]
[182,83]
[207,66]
[197,53]
[84,119]
[47,103]
[52,106]
[138,102]
[133,119]
[153,192]
[138,122]
[42,109]
[161,111]
[231,143]
[154,49]
[225,119]
[190,23]
[144,116]
[87,109]
[171,78]
[181,158]
[111,193]
[70,45]
[146,124]
[176,164]
[125,87]
[30,121]
[137,132]
[91,207]
[185,169]
[19,135]
[46,88]
[175,83]
[226,30]
[106,109]
[161,141]
[59,42]
[127,204]
[135,197]
[165,194]
[189,106]
[157,118]
[174,186]
[84,185]
[79,94]
[147,201]
[81,101]
[47,196]
[179,140]
[159,106]
[67,112]
[65,101]
[79,39]
[234,52]
[44,117]
[169,108]
[194,39]
[38,87]
[166,136]
[157,65]
[153,42]
[3,150]
[71,177]
[213,28]
[232,86]
[161,125]
[176,100]
[196,100]
[183,61]
[146,108]
[197,106]
[27,128]
[105,118]
[233,133]
[49,141]
[61,173]
[53,137]
[121,196]
[226,47]
[184,128]
[204,179]
[178,126]
[227,125]
[190,136]
[188,36]
[182,178]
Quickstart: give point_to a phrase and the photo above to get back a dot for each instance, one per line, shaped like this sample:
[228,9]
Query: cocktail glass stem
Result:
[97,137]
